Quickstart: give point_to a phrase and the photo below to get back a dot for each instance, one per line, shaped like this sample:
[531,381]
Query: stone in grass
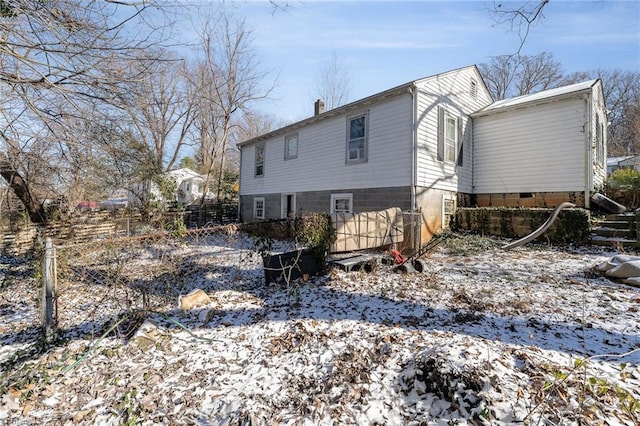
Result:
[194,299]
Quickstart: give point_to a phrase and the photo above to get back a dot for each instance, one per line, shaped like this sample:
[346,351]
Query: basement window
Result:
[341,203]
[526,195]
[258,208]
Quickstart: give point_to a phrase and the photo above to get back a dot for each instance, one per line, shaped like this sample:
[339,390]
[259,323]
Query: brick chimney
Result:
[318,107]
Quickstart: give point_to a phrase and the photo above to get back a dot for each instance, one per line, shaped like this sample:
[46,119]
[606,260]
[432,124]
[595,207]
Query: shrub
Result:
[623,186]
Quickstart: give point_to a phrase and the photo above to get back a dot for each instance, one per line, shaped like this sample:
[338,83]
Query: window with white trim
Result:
[448,210]
[357,138]
[450,137]
[258,208]
[291,147]
[259,164]
[341,203]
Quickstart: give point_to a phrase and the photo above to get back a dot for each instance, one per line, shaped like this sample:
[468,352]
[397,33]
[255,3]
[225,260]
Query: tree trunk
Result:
[20,187]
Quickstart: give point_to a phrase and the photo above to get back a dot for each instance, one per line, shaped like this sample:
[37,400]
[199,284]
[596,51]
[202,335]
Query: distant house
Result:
[190,185]
[615,163]
[189,189]
[430,144]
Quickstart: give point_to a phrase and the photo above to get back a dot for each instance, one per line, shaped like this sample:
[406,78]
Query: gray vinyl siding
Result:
[450,90]
[321,161]
[540,148]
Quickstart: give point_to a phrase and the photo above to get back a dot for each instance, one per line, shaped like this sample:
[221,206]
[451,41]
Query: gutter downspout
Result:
[589,155]
[414,144]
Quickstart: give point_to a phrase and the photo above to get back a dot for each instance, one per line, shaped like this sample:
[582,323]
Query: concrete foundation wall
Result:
[364,200]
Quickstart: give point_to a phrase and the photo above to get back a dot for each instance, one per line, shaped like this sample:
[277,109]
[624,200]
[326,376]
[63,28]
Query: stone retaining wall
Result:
[571,226]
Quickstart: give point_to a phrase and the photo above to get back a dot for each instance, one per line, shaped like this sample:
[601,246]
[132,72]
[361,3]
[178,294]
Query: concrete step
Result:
[599,240]
[620,217]
[606,231]
[618,224]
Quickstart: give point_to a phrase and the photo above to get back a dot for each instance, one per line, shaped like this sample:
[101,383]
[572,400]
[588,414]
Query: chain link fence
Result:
[95,275]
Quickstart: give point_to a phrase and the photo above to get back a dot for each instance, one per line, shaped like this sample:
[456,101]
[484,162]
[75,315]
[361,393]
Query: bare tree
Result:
[508,75]
[55,70]
[333,81]
[622,95]
[500,75]
[160,108]
[519,16]
[228,83]
[537,73]
[158,111]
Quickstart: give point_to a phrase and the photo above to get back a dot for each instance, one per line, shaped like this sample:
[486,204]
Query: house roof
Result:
[544,96]
[184,173]
[348,107]
[614,161]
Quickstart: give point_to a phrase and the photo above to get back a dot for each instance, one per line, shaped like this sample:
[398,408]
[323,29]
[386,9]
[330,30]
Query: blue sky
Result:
[387,43]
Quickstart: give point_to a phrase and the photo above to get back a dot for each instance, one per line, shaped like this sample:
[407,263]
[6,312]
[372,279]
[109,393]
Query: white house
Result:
[629,161]
[189,189]
[190,185]
[430,144]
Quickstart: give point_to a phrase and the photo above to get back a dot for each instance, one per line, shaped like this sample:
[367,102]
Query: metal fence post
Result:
[48,293]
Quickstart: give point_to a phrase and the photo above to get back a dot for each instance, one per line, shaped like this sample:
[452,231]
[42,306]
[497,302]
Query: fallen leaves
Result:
[476,337]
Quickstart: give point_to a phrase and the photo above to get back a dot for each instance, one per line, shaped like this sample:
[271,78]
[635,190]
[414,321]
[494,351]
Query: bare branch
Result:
[519,18]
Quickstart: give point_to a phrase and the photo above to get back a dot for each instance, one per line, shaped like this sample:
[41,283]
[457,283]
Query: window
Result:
[258,208]
[603,141]
[599,141]
[357,139]
[449,137]
[341,203]
[291,147]
[259,161]
[448,210]
[473,89]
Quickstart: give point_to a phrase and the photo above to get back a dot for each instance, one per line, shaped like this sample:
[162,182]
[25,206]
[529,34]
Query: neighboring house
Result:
[615,163]
[189,189]
[190,185]
[430,144]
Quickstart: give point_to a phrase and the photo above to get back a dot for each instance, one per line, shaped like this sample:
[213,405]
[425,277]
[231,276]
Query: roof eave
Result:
[398,90]
[562,96]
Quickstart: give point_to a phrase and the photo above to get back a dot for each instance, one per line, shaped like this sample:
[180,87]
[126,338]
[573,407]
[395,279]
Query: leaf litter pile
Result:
[482,336]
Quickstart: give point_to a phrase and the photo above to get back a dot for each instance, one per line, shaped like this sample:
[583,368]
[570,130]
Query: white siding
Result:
[598,108]
[320,164]
[540,148]
[452,91]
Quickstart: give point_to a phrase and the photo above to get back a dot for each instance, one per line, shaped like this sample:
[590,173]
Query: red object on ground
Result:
[398,257]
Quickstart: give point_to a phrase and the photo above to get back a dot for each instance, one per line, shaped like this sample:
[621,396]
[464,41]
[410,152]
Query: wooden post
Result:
[49,316]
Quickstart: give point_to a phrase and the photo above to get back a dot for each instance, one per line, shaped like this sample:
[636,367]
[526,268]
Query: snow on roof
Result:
[545,94]
[613,161]
[184,173]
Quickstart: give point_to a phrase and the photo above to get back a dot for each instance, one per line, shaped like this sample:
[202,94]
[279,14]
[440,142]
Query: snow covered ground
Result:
[483,336]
